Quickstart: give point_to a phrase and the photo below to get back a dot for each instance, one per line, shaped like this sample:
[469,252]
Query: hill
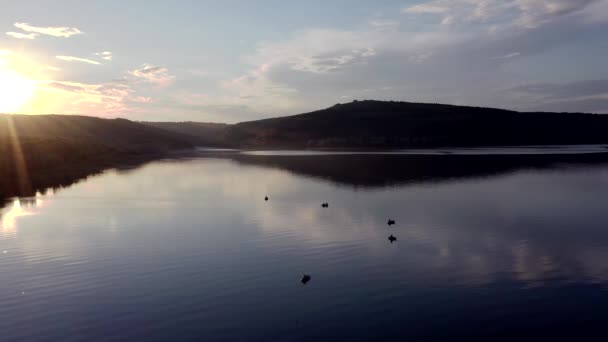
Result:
[117,134]
[380,124]
[44,150]
[199,133]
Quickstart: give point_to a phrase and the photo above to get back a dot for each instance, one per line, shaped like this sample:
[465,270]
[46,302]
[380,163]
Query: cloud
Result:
[50,30]
[106,55]
[331,62]
[538,12]
[141,99]
[19,35]
[588,105]
[322,51]
[77,59]
[306,70]
[587,96]
[433,63]
[523,13]
[157,75]
[508,56]
[51,68]
[106,99]
[257,91]
[561,90]
[419,58]
[596,12]
[433,7]
[384,23]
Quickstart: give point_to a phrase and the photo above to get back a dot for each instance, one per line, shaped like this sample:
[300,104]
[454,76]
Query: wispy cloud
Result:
[564,90]
[256,84]
[140,99]
[59,31]
[384,23]
[51,68]
[432,7]
[523,13]
[326,63]
[157,75]
[19,35]
[587,95]
[77,59]
[106,99]
[508,56]
[106,55]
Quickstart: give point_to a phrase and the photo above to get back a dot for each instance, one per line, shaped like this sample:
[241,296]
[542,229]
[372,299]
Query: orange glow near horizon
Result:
[15,91]
[23,87]
[18,83]
[28,86]
[11,216]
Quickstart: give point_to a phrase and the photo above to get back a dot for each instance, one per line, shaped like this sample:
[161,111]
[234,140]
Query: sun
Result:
[15,91]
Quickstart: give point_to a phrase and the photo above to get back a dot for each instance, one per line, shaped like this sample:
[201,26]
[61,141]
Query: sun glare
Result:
[15,91]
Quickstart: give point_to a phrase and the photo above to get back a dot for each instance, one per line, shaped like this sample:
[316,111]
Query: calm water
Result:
[187,249]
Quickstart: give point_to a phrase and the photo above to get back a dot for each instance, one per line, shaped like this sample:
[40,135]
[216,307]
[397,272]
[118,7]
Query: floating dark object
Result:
[391,222]
[325,205]
[305,278]
[392,238]
[266,198]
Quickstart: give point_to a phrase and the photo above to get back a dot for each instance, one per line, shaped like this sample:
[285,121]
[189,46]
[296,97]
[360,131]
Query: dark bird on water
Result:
[305,279]
[392,238]
[325,205]
[391,222]
[266,198]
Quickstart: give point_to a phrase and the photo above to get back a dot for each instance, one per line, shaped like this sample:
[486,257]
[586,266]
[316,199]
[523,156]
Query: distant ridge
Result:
[199,133]
[371,124]
[391,124]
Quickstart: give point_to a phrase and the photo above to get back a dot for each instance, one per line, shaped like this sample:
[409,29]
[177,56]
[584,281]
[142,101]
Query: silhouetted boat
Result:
[391,222]
[266,198]
[392,238]
[305,278]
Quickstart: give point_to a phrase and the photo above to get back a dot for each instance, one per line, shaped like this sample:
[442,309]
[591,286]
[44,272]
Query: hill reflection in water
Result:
[381,170]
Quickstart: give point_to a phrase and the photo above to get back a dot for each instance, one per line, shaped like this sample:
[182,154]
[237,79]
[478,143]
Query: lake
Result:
[186,248]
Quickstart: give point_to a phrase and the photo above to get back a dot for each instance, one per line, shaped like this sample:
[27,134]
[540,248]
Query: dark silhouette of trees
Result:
[379,124]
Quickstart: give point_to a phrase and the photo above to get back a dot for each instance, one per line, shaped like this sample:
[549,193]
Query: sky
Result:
[231,61]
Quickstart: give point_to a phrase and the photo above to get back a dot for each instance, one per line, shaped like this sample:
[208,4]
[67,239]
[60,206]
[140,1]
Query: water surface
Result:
[187,249]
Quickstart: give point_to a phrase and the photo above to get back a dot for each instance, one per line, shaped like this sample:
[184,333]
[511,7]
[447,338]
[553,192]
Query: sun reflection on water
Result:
[10,215]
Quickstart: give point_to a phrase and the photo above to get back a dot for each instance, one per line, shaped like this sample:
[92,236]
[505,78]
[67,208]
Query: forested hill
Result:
[118,134]
[380,124]
[37,151]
